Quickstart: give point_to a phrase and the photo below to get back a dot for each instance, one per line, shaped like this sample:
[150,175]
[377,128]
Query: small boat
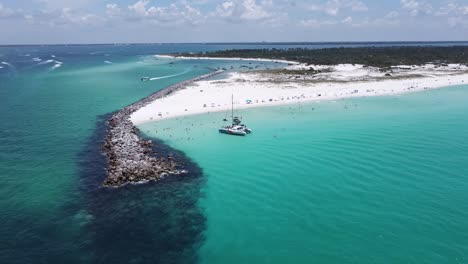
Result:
[145,79]
[236,128]
[233,130]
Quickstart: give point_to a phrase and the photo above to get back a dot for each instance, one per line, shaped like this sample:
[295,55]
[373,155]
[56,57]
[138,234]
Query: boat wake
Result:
[168,76]
[7,64]
[57,65]
[45,62]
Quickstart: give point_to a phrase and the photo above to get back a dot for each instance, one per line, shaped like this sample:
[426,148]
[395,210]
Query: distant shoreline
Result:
[373,56]
[227,59]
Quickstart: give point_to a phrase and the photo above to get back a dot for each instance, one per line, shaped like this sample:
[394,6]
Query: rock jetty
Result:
[130,158]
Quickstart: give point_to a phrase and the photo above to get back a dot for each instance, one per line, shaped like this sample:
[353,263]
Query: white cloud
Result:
[193,15]
[392,14]
[451,9]
[456,15]
[267,2]
[315,24]
[225,10]
[379,23]
[139,8]
[244,10]
[253,11]
[6,12]
[457,21]
[174,13]
[464,10]
[253,19]
[416,8]
[347,20]
[310,23]
[60,4]
[64,17]
[446,10]
[333,7]
[113,10]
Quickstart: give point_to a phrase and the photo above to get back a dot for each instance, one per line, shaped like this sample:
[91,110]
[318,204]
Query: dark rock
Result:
[131,159]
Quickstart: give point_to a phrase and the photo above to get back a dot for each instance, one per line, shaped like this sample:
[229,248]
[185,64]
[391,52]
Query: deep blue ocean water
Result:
[385,182]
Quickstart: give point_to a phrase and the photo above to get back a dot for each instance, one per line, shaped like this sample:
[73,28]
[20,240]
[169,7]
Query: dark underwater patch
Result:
[155,222]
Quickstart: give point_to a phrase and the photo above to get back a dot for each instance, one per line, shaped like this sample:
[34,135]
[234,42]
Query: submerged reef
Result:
[130,158]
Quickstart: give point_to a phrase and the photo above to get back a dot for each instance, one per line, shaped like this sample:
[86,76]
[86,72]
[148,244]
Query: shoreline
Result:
[260,90]
[227,59]
[131,159]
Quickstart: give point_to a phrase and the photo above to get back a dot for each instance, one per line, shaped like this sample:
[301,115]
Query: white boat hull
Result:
[233,132]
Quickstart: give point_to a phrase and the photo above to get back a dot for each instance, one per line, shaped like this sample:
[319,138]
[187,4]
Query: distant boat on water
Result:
[145,79]
[236,128]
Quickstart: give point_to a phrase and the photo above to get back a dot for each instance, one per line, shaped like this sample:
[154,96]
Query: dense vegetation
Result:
[371,56]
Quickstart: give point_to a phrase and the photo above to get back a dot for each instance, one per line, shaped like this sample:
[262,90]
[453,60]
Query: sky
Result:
[163,21]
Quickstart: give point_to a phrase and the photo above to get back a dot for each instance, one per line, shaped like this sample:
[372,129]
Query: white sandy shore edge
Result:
[256,89]
[227,59]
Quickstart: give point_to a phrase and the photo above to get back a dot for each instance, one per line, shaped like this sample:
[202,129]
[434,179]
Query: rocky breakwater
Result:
[130,158]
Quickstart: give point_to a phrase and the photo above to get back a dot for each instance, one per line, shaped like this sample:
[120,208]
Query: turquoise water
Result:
[51,130]
[384,180]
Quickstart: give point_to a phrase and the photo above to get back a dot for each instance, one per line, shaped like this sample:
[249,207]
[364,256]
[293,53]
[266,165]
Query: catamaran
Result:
[236,128]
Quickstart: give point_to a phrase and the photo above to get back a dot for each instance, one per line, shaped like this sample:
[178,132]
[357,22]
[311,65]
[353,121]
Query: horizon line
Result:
[241,43]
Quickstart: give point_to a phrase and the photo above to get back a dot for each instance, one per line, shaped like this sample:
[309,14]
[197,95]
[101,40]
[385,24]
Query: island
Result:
[380,57]
[312,75]
[307,75]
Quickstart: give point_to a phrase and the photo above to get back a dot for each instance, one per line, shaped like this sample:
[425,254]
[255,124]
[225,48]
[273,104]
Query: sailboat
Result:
[236,128]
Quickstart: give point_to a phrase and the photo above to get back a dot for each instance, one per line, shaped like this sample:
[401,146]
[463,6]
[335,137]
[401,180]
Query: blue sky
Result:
[109,21]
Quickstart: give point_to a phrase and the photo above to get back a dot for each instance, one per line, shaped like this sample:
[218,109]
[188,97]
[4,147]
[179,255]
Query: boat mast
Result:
[232,109]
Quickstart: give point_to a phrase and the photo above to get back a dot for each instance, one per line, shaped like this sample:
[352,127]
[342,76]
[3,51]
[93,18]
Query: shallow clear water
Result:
[383,180]
[370,180]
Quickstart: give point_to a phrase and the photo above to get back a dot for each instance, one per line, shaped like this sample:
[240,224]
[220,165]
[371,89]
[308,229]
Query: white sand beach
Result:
[227,59]
[256,89]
